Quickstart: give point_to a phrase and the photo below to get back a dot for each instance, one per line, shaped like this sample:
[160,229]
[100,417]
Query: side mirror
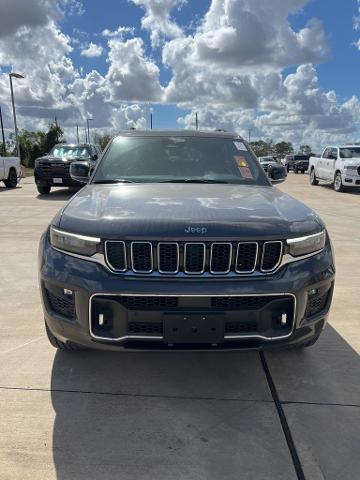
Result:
[95,157]
[277,173]
[80,171]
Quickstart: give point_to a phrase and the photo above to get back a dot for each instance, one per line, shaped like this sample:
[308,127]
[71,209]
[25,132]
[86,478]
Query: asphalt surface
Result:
[155,416]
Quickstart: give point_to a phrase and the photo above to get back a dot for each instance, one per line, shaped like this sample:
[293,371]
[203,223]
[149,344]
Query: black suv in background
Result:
[180,241]
[52,170]
[297,162]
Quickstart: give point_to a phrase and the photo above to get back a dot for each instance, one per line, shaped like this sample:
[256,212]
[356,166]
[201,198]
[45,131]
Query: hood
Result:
[127,211]
[355,161]
[50,158]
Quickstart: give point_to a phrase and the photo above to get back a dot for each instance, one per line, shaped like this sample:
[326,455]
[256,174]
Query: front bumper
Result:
[241,313]
[350,179]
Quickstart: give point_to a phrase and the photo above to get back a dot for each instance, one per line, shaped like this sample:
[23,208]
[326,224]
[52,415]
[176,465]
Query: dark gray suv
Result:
[180,241]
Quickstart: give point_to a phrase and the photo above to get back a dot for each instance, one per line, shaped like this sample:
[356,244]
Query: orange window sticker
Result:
[246,172]
[240,161]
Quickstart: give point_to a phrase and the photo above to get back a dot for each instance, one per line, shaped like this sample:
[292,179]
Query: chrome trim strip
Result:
[224,272]
[244,272]
[75,235]
[279,260]
[226,337]
[204,260]
[289,241]
[125,255]
[177,255]
[151,257]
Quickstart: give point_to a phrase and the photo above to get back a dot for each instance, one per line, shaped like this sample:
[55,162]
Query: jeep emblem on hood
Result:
[201,230]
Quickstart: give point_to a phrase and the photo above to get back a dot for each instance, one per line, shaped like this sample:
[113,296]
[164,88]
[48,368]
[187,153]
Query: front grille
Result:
[61,305]
[133,302]
[316,304]
[149,328]
[358,171]
[240,327]
[236,303]
[271,255]
[55,169]
[193,258]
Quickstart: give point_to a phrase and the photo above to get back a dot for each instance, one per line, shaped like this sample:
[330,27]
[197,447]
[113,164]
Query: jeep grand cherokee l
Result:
[180,241]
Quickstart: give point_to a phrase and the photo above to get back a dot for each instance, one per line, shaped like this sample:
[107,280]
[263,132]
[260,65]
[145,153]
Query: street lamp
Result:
[88,129]
[15,75]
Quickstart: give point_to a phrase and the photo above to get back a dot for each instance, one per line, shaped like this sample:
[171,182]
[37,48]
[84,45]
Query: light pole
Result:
[88,128]
[15,75]
[2,131]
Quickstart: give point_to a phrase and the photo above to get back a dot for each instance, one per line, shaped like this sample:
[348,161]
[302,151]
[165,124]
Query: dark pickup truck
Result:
[53,170]
[179,240]
[297,163]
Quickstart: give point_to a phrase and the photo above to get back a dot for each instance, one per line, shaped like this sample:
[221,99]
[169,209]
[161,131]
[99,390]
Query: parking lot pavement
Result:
[185,416]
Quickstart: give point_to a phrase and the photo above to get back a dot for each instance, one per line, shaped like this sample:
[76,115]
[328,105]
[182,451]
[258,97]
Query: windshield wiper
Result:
[113,180]
[193,180]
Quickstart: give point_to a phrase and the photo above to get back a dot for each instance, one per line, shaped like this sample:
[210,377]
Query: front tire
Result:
[12,180]
[338,185]
[55,342]
[296,170]
[313,179]
[43,190]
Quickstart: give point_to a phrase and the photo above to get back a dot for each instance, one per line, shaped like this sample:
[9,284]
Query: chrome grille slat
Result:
[271,255]
[220,257]
[194,260]
[142,257]
[168,257]
[243,262]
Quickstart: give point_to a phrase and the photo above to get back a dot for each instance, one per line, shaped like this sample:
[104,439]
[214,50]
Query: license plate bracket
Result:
[57,180]
[194,328]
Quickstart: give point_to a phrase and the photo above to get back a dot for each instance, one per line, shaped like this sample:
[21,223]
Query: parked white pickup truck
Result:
[338,165]
[10,171]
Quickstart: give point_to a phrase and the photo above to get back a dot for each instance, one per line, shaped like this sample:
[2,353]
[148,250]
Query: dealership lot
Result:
[184,416]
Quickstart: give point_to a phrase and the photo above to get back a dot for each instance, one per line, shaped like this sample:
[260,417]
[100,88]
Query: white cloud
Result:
[92,50]
[131,75]
[119,32]
[357,25]
[157,19]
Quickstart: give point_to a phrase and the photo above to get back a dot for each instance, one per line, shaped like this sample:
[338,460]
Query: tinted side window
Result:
[327,152]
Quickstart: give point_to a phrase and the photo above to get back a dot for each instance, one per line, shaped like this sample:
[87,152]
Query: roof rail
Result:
[219,130]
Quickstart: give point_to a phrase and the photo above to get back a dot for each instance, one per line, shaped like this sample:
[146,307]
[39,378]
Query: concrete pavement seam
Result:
[283,421]
[140,395]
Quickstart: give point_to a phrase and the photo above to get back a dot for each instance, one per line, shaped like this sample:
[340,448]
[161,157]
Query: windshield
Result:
[179,159]
[78,152]
[349,152]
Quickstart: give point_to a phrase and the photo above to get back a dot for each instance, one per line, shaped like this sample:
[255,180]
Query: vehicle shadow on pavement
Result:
[59,195]
[147,415]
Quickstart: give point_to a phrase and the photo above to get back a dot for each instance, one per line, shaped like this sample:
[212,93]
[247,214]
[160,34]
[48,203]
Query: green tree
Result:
[37,144]
[102,140]
[260,148]
[305,149]
[283,148]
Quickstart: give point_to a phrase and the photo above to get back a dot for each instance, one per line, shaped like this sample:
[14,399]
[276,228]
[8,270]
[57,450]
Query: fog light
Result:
[312,292]
[283,318]
[101,319]
[68,292]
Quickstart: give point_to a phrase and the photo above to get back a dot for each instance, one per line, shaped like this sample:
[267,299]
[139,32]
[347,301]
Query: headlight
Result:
[351,167]
[305,245]
[71,242]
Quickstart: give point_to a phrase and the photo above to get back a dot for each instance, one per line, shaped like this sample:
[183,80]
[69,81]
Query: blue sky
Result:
[286,69]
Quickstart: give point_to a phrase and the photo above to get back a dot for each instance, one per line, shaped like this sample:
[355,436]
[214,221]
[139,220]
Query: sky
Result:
[286,70]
